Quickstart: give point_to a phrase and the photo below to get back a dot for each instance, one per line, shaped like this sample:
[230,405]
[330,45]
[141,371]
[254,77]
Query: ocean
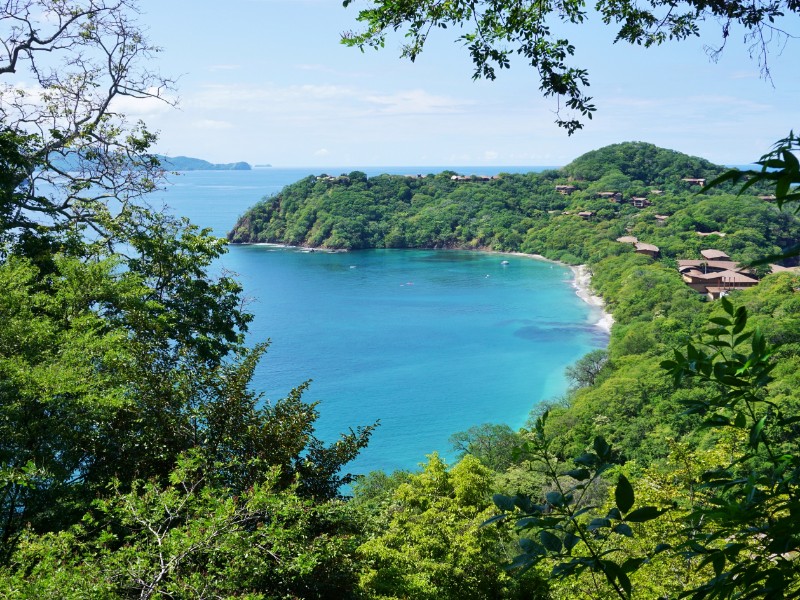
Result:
[427,342]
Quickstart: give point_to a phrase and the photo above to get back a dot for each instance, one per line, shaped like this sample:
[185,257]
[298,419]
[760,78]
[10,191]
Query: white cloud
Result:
[266,98]
[212,124]
[415,102]
[490,155]
[143,108]
[321,152]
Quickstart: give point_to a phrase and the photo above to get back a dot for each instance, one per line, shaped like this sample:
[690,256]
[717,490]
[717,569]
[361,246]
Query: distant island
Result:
[72,161]
[186,163]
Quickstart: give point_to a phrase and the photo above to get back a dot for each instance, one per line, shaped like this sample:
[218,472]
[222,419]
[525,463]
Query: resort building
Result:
[646,249]
[715,275]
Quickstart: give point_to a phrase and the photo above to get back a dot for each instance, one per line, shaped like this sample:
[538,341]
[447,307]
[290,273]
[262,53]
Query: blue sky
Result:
[267,81]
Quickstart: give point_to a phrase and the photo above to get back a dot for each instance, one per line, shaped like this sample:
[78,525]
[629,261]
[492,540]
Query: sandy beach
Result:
[583,288]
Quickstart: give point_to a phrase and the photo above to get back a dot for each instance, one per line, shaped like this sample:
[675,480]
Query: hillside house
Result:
[661,218]
[461,178]
[627,239]
[586,214]
[704,234]
[693,181]
[565,190]
[715,275]
[647,249]
[640,202]
[611,196]
[712,254]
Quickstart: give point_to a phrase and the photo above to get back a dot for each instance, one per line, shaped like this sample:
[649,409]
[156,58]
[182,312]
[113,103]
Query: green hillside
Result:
[525,212]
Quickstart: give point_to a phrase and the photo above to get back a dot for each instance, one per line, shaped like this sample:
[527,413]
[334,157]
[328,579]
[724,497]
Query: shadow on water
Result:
[555,332]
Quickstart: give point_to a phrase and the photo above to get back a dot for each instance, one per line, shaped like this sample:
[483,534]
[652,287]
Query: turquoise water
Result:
[427,342]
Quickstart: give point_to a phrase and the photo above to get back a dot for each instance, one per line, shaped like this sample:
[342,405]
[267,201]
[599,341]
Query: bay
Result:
[428,342]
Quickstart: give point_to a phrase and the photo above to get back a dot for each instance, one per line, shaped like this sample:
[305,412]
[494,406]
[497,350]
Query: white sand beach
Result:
[583,288]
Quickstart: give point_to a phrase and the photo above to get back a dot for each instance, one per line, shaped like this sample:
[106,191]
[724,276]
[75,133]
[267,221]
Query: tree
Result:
[496,30]
[432,545]
[74,157]
[490,443]
[120,352]
[190,540]
[588,368]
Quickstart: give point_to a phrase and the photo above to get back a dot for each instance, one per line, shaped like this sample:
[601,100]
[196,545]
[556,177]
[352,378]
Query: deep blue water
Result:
[427,342]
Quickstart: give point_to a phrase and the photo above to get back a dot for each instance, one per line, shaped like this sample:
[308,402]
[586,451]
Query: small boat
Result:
[504,262]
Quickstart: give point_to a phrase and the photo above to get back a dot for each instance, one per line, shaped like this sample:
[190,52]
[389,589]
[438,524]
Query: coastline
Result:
[583,288]
[582,282]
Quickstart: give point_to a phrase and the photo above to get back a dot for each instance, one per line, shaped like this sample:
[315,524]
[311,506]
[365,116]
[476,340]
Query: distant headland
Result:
[186,163]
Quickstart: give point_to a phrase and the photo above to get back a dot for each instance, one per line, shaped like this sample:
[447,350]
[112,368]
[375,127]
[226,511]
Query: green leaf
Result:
[504,502]
[727,306]
[550,541]
[721,321]
[527,523]
[716,421]
[623,529]
[493,519]
[587,459]
[646,513]
[740,421]
[755,431]
[579,474]
[623,494]
[598,524]
[624,583]
[602,448]
[570,541]
[718,561]
[630,565]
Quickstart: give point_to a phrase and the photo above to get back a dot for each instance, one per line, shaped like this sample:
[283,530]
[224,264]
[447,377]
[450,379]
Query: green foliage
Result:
[491,444]
[725,516]
[432,545]
[189,539]
[641,163]
[134,459]
[748,530]
[780,170]
[564,530]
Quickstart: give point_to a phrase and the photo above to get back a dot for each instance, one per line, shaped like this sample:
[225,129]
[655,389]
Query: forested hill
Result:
[530,212]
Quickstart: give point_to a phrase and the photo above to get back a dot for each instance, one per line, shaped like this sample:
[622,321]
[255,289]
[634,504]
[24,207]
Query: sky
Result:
[268,82]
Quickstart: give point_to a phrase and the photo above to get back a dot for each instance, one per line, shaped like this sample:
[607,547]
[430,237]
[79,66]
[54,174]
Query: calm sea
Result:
[428,342]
